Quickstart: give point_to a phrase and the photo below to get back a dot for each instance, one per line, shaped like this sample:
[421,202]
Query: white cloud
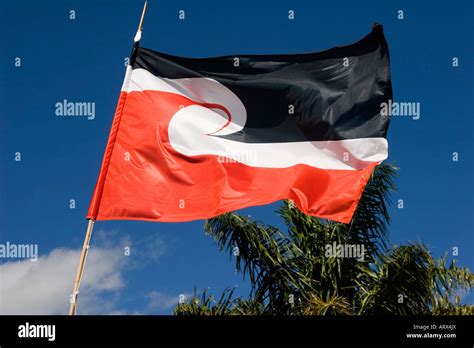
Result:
[145,250]
[162,301]
[44,286]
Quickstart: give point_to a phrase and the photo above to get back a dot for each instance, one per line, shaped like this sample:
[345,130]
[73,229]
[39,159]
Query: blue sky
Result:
[83,60]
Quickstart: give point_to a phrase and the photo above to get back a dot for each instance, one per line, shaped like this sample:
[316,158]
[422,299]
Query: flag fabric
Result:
[193,138]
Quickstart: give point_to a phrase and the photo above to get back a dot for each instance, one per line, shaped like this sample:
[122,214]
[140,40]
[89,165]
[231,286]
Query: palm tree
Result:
[291,273]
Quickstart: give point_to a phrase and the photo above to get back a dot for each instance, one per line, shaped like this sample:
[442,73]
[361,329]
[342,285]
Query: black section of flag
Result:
[334,94]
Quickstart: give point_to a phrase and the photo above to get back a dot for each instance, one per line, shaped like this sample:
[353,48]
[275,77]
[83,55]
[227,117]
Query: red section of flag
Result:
[144,178]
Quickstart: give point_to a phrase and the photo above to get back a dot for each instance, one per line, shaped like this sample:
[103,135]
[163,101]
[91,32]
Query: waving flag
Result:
[195,138]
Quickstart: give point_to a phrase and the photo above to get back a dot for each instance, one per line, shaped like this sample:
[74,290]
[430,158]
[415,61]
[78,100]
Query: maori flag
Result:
[193,138]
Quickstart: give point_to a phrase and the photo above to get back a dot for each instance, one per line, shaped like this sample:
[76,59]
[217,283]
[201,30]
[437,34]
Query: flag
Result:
[193,138]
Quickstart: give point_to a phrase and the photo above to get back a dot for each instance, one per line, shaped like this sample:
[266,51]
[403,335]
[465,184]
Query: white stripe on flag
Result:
[190,127]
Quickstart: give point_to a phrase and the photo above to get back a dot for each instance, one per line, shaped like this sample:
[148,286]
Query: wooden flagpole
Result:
[90,226]
[80,268]
[140,26]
